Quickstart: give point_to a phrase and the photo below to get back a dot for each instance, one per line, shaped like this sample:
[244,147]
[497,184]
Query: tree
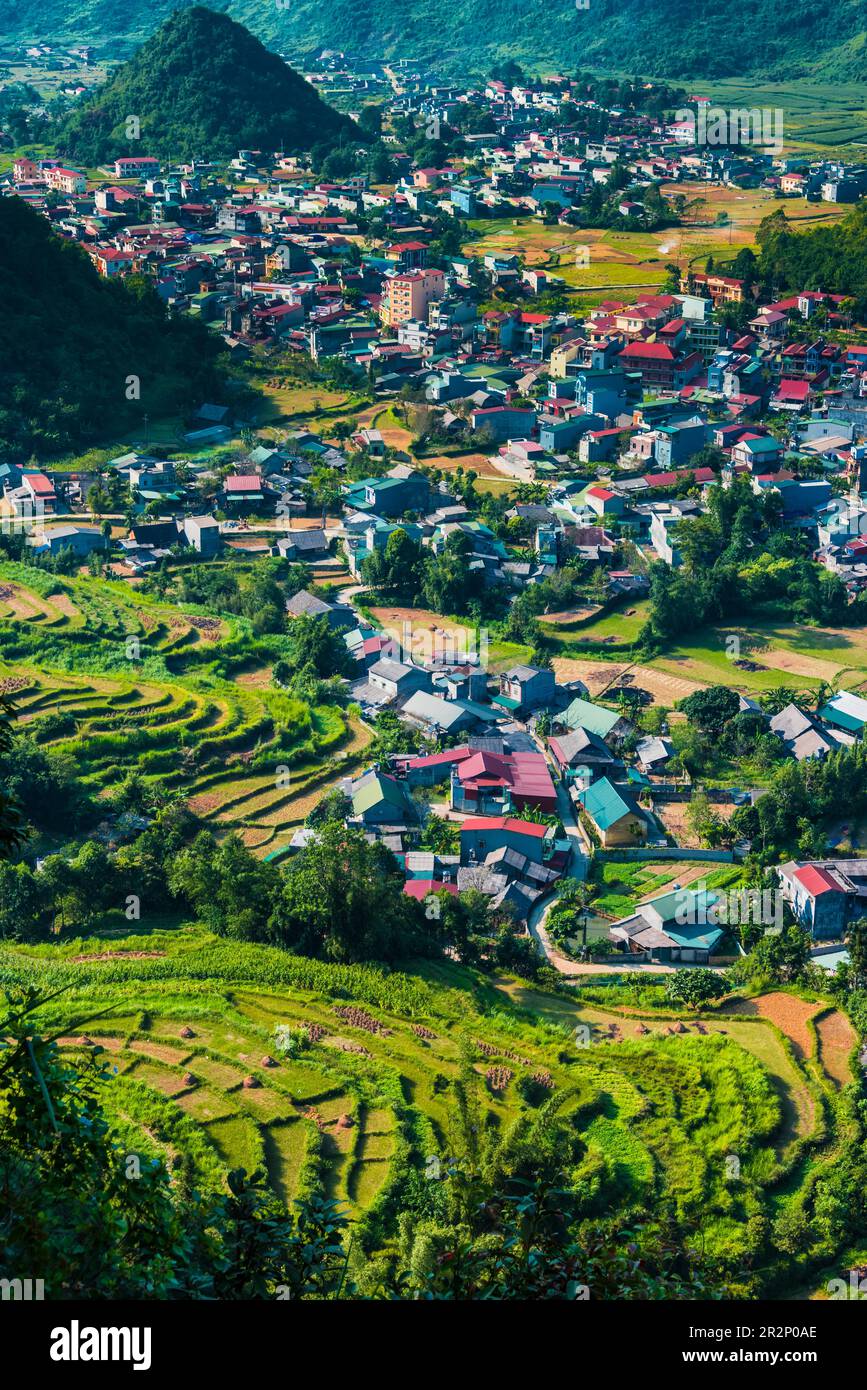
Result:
[856,944]
[317,646]
[11,830]
[343,899]
[695,987]
[711,709]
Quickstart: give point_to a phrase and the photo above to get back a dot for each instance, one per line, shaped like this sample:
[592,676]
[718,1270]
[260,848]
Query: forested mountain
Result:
[203,86]
[673,38]
[70,342]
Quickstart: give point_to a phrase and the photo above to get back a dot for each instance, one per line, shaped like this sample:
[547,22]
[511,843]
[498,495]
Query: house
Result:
[40,490]
[442,716]
[242,488]
[675,927]
[482,835]
[653,753]
[802,735]
[402,490]
[379,799]
[825,895]
[396,678]
[583,714]
[305,604]
[81,540]
[162,535]
[309,544]
[500,783]
[203,534]
[524,688]
[581,752]
[612,813]
[845,711]
[603,501]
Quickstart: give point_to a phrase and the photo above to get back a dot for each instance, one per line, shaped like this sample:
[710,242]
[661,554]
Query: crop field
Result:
[623,263]
[783,653]
[818,117]
[120,681]
[336,1078]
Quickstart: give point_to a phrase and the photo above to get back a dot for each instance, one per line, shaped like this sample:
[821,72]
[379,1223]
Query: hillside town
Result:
[611,424]
[433,668]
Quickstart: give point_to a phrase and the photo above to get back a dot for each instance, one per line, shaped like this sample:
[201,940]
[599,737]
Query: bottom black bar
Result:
[65,1340]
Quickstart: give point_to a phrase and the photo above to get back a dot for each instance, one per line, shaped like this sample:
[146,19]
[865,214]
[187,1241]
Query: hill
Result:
[202,86]
[670,38]
[357,1079]
[70,341]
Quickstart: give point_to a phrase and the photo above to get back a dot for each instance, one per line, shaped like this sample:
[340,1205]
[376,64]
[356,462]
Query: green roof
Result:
[832,715]
[703,937]
[669,904]
[581,714]
[376,789]
[604,804]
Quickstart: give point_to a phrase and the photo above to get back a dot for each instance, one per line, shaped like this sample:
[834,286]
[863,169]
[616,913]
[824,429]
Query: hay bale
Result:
[251,1082]
[268,1061]
[186,1032]
[189,1079]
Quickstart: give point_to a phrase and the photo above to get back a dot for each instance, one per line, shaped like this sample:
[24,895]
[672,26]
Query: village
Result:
[598,425]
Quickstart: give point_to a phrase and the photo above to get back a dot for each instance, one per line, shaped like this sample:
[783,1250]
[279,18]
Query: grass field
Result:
[366,1090]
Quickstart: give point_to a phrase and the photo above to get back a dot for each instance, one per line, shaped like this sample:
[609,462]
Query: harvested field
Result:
[796,664]
[789,1014]
[837,1038]
[666,689]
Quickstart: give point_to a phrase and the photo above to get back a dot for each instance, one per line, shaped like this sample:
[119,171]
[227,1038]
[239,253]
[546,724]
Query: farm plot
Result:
[117,682]
[367,1087]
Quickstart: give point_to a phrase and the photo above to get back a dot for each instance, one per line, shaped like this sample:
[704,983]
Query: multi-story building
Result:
[407,296]
[65,180]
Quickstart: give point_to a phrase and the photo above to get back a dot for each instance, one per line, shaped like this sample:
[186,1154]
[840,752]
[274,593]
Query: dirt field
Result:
[425,632]
[790,1015]
[799,665]
[672,814]
[597,675]
[836,1039]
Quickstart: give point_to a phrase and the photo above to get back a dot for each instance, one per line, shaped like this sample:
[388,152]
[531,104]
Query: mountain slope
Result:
[203,86]
[70,341]
[672,38]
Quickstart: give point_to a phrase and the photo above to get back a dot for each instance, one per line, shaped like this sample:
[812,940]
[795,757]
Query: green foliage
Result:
[202,87]
[69,340]
[695,987]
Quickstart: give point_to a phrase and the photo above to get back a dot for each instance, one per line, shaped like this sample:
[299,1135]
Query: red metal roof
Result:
[510,823]
[421,888]
[816,881]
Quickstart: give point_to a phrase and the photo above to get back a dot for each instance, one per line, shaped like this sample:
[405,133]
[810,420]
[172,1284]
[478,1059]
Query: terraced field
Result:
[341,1078]
[119,680]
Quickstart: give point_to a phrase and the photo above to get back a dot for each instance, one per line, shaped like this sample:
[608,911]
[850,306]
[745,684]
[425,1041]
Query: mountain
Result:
[70,341]
[669,38]
[203,86]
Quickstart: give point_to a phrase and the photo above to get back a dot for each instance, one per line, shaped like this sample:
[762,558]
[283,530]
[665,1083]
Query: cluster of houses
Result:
[626,413]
